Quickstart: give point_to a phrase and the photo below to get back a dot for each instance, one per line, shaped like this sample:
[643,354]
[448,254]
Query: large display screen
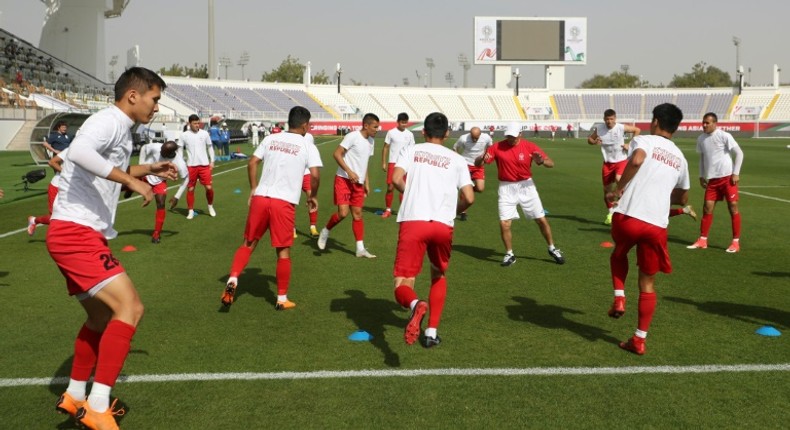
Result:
[550,41]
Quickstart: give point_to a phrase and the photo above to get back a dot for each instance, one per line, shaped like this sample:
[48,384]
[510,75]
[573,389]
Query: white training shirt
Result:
[314,149]
[198,147]
[87,198]
[716,151]
[285,157]
[152,153]
[358,151]
[647,195]
[434,176]
[398,140]
[470,149]
[612,141]
[56,178]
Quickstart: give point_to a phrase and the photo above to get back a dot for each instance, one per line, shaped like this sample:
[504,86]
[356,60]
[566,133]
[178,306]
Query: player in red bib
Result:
[431,177]
[82,222]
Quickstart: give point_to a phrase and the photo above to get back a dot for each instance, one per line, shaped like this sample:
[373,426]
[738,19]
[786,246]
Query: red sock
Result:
[736,226]
[618,262]
[86,349]
[160,221]
[404,295]
[210,195]
[240,260]
[44,219]
[313,217]
[388,199]
[359,229]
[113,349]
[333,221]
[436,301]
[704,228]
[283,275]
[190,199]
[647,305]
[676,212]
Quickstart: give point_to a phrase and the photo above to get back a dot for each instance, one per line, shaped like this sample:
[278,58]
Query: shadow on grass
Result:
[575,218]
[757,315]
[147,232]
[553,317]
[372,315]
[768,274]
[254,282]
[479,253]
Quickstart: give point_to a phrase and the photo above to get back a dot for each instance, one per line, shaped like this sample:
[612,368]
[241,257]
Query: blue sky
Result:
[380,43]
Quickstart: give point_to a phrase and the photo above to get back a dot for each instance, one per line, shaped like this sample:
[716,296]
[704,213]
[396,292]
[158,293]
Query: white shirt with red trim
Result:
[470,149]
[398,141]
[83,197]
[285,157]
[358,151]
[647,195]
[716,151]
[198,147]
[612,141]
[514,162]
[434,176]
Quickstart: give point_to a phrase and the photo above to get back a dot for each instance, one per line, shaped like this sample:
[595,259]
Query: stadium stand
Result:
[781,109]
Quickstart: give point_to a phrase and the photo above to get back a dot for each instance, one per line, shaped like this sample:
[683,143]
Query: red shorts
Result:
[414,238]
[203,173]
[721,189]
[274,215]
[390,171]
[82,255]
[52,192]
[306,187]
[349,193]
[652,254]
[160,188]
[477,172]
[610,171]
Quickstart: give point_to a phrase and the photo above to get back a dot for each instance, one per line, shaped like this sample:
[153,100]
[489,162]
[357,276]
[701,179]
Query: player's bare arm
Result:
[594,139]
[679,196]
[133,184]
[466,198]
[56,163]
[542,161]
[385,152]
[162,169]
[338,155]
[252,175]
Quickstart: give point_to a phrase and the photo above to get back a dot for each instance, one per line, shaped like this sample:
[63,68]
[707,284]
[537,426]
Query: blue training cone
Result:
[237,191]
[767,330]
[377,190]
[379,212]
[360,336]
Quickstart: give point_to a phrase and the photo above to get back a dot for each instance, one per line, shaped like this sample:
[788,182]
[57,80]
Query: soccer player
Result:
[351,182]
[719,176]
[82,222]
[514,157]
[155,152]
[273,200]
[312,207]
[52,191]
[472,145]
[200,163]
[431,176]
[656,176]
[611,137]
[396,140]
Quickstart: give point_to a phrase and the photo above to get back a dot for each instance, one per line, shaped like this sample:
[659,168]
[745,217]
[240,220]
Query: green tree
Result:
[291,70]
[179,70]
[701,76]
[620,79]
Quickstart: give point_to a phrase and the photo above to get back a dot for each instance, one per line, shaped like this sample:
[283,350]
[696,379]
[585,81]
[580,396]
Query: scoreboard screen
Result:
[550,41]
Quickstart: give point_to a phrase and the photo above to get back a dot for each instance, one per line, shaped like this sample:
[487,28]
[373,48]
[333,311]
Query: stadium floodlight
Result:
[243,61]
[517,75]
[113,62]
[449,78]
[224,61]
[463,61]
[737,42]
[429,62]
[339,72]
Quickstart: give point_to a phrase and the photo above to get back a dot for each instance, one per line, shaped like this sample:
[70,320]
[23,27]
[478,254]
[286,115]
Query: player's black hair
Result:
[668,116]
[298,116]
[169,147]
[609,112]
[193,117]
[436,125]
[403,116]
[712,115]
[369,118]
[58,125]
[137,78]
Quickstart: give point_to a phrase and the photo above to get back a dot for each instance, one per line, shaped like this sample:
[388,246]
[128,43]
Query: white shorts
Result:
[522,193]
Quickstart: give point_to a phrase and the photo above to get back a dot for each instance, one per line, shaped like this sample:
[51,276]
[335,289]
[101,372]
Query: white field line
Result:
[765,197]
[346,374]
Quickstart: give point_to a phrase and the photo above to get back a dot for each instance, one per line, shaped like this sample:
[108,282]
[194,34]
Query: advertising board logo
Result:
[575,31]
[487,33]
[487,54]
